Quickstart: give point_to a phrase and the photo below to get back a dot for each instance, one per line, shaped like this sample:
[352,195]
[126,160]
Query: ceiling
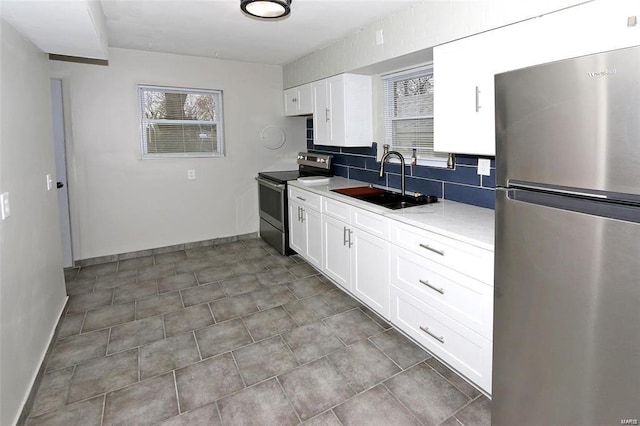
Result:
[209,28]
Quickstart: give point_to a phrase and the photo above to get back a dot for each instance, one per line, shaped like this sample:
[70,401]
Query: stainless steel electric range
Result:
[272,197]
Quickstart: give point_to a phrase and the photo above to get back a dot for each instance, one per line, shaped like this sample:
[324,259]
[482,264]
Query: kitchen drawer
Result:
[364,220]
[465,258]
[305,198]
[372,223]
[459,296]
[335,209]
[464,350]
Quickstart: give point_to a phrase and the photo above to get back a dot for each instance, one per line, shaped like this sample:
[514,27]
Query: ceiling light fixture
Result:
[266,9]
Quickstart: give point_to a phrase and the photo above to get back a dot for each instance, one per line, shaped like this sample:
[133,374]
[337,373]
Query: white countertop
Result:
[470,224]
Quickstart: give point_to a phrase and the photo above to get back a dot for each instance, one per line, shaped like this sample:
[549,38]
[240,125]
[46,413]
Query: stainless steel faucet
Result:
[386,155]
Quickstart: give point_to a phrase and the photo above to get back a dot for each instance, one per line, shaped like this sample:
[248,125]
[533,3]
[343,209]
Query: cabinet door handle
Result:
[344,236]
[439,290]
[425,246]
[301,199]
[350,243]
[326,114]
[435,336]
[302,214]
[477,98]
[298,213]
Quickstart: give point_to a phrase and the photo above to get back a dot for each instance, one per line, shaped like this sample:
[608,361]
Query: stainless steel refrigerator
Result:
[567,283]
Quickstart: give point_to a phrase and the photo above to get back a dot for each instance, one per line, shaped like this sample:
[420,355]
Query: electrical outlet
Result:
[484,166]
[191,174]
[49,182]
[4,205]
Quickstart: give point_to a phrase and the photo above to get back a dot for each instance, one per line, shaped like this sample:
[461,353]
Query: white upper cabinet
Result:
[298,100]
[463,107]
[342,111]
[464,70]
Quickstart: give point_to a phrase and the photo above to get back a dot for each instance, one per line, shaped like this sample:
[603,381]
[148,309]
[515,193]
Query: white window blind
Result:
[408,115]
[177,122]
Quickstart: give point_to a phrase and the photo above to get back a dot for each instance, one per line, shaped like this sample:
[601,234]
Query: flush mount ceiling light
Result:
[266,9]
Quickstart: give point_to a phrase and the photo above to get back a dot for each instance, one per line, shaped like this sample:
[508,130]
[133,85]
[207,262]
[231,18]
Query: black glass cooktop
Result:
[280,176]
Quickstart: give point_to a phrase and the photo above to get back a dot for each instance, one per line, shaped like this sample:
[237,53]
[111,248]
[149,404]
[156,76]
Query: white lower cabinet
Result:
[355,259]
[459,296]
[305,226]
[466,351]
[434,288]
[337,251]
[370,271]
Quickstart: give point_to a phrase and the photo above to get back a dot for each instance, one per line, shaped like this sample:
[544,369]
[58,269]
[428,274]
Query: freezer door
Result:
[572,123]
[566,322]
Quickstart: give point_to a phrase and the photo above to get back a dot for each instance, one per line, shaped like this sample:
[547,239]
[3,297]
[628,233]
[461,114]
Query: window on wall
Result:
[177,122]
[408,115]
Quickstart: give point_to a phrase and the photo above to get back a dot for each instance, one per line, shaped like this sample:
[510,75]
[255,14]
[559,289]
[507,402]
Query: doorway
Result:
[57,109]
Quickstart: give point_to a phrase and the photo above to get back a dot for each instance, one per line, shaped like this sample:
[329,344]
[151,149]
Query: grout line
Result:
[215,321]
[104,406]
[233,357]
[197,344]
[139,364]
[287,398]
[108,341]
[175,386]
[218,411]
[399,402]
[164,327]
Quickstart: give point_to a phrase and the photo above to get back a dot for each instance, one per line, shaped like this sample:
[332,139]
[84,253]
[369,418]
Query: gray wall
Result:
[32,293]
[121,203]
[412,31]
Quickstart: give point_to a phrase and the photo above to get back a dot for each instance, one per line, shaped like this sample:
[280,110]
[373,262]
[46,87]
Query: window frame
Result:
[432,158]
[218,123]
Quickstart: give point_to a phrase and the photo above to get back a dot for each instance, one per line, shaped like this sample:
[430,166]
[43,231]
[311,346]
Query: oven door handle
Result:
[270,184]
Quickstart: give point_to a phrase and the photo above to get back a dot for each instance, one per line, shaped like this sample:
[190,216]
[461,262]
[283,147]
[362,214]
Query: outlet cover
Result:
[484,166]
[191,174]
[379,37]
[4,205]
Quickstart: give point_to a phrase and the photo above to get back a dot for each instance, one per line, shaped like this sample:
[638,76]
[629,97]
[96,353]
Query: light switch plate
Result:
[4,205]
[484,166]
[379,37]
[49,182]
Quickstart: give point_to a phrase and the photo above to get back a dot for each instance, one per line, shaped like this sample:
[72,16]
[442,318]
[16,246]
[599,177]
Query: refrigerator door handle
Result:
[515,184]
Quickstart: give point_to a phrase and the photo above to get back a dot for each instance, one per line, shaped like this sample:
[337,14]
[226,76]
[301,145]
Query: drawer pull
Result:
[439,290]
[300,198]
[438,338]
[344,236]
[440,252]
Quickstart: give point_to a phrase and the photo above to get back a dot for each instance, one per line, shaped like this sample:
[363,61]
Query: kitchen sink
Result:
[385,198]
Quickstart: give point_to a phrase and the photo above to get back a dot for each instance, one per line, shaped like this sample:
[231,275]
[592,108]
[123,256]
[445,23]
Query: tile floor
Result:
[236,335]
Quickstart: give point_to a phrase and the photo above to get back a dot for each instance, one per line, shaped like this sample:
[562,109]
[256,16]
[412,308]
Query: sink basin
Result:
[385,198]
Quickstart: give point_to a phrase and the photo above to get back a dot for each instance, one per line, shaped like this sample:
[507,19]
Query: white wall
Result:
[120,203]
[32,292]
[413,30]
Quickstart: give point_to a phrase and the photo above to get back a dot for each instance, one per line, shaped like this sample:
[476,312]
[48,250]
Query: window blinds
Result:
[408,113]
[180,122]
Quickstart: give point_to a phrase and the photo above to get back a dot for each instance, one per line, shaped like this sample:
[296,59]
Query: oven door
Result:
[272,203]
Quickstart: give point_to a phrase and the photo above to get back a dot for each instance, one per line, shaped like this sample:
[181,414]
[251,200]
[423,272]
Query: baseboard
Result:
[35,385]
[161,250]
